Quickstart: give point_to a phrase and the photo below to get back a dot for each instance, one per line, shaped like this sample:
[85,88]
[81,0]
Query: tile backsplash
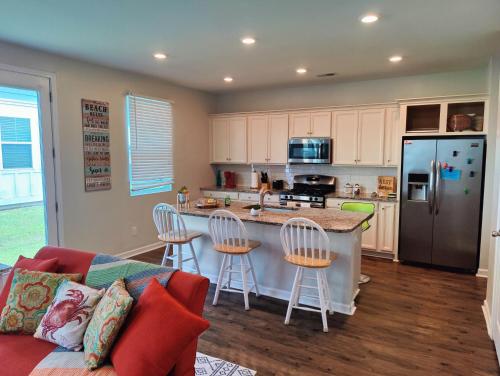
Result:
[366,177]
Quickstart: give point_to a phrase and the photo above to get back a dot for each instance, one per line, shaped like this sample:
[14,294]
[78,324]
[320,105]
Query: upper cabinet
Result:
[268,138]
[447,115]
[358,137]
[392,144]
[229,139]
[310,124]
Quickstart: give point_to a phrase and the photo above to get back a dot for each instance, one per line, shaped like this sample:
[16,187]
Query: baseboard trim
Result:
[487,316]
[482,273]
[140,250]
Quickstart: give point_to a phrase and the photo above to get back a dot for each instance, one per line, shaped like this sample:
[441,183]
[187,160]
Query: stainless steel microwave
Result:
[310,150]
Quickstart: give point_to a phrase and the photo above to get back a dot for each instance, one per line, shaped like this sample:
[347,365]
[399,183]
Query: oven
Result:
[310,150]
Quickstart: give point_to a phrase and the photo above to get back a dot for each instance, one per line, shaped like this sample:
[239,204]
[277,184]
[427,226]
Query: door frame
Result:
[53,122]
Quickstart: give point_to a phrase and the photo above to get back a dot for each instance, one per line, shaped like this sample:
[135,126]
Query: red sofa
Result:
[19,354]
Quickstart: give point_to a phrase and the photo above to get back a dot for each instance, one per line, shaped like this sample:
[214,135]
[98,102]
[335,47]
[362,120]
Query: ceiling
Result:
[202,38]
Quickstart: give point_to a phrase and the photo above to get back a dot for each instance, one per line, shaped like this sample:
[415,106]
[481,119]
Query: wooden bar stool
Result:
[306,245]
[172,230]
[230,237]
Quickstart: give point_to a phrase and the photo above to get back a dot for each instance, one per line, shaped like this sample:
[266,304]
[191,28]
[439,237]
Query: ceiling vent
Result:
[323,75]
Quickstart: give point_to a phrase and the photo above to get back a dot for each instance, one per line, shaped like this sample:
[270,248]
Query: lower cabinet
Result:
[220,194]
[380,236]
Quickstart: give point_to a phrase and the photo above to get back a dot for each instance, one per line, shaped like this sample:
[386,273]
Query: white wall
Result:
[493,184]
[102,221]
[361,92]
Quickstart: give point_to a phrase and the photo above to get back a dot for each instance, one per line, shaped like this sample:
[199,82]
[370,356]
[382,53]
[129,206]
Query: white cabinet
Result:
[250,197]
[369,237]
[229,139]
[386,229]
[345,137]
[268,138]
[220,194]
[358,137]
[371,137]
[310,124]
[392,137]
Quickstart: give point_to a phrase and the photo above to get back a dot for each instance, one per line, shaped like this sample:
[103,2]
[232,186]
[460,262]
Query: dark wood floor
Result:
[409,321]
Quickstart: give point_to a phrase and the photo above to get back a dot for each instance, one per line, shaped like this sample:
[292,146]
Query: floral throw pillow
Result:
[29,297]
[67,318]
[108,317]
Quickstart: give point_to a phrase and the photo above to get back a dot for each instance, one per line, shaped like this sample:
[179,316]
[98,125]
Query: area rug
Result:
[209,366]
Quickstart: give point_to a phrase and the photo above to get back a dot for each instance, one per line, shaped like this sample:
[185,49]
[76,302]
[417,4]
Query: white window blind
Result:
[150,144]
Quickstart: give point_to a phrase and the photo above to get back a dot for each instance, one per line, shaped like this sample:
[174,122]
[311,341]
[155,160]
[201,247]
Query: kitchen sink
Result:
[273,209]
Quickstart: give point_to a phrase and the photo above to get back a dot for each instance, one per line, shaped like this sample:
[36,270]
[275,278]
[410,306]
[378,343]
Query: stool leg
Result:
[299,287]
[194,258]
[219,280]
[179,256]
[253,275]
[321,291]
[229,278]
[165,255]
[292,296]
[328,293]
[245,281]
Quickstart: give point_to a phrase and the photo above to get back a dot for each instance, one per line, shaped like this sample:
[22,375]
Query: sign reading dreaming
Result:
[96,156]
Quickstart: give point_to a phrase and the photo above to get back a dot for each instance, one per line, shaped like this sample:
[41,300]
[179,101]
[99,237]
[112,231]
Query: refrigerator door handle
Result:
[438,186]
[431,186]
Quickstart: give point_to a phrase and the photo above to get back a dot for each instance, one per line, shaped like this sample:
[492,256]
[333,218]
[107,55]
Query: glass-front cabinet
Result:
[445,115]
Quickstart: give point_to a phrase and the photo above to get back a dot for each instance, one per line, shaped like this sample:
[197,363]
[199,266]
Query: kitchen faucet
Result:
[262,193]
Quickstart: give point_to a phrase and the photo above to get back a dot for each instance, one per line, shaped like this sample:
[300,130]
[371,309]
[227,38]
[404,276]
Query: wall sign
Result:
[96,157]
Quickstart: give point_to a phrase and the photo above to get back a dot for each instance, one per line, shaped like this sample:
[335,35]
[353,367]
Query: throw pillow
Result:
[157,331]
[29,297]
[67,318]
[49,265]
[108,318]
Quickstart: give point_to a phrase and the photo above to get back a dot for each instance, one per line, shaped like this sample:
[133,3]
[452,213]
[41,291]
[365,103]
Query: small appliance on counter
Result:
[278,185]
[348,188]
[310,191]
[230,178]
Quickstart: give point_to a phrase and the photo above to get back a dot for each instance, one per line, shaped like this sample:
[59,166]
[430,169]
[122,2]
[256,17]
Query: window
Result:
[150,145]
[15,138]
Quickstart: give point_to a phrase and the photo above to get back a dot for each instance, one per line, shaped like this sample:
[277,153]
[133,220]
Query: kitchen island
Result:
[274,275]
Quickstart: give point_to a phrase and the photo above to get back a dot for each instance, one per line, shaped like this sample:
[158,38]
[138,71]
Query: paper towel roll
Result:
[255,180]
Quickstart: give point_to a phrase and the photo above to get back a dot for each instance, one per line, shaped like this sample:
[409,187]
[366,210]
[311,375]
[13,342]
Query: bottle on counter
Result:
[227,201]
[356,191]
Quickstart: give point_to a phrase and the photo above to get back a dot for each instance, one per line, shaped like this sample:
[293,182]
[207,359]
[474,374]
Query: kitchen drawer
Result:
[272,199]
[334,203]
[220,194]
[253,197]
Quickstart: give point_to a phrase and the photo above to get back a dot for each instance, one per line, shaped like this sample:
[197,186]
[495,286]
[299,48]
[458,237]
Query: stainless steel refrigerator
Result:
[441,201]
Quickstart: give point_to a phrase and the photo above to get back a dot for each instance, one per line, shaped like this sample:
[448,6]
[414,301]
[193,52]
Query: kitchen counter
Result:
[339,195]
[275,275]
[330,220]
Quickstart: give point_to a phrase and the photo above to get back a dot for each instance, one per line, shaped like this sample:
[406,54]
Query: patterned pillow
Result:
[69,314]
[29,297]
[109,316]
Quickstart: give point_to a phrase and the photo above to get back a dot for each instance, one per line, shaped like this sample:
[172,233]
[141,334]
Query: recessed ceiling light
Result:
[248,40]
[395,59]
[301,70]
[369,18]
[228,79]
[160,56]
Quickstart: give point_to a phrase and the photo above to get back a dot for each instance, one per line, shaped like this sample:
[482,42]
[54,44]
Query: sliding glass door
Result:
[28,216]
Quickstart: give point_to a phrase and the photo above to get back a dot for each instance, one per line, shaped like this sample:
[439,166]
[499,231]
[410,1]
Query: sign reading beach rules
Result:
[96,157]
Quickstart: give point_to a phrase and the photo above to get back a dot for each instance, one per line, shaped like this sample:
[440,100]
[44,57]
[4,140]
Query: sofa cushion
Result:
[19,354]
[29,297]
[48,265]
[70,260]
[69,314]
[108,318]
[158,330]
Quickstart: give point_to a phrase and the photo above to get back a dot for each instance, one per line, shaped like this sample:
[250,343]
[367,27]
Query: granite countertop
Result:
[340,195]
[331,220]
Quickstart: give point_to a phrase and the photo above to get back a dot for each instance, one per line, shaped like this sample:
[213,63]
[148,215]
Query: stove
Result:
[308,191]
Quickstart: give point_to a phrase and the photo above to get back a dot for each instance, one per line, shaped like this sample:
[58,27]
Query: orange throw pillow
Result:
[158,330]
[37,265]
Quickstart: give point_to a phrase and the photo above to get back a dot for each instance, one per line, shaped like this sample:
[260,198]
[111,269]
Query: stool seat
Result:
[308,262]
[180,239]
[234,248]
